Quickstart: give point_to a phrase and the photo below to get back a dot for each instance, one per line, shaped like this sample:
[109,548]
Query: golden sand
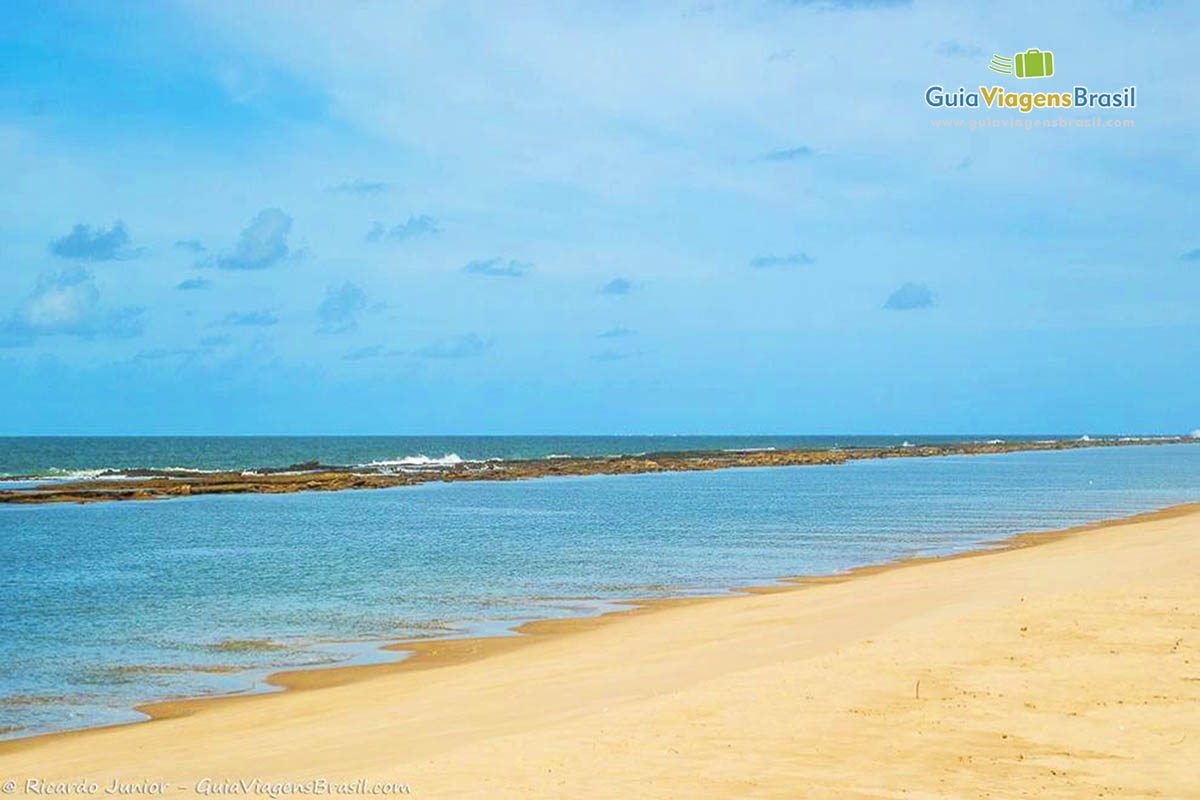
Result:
[1063,665]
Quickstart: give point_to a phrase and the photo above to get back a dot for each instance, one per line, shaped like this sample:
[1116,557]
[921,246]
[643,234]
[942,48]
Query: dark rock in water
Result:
[312,476]
[306,466]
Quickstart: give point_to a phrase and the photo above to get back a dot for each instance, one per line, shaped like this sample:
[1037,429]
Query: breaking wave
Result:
[419,462]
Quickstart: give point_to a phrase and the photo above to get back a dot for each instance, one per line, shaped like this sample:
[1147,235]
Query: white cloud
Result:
[67,303]
[262,243]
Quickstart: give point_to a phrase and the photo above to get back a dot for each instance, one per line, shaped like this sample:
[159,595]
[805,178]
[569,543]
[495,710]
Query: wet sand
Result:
[1061,665]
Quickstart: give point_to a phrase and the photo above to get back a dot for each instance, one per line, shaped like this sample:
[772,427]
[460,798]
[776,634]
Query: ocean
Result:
[109,605]
[82,457]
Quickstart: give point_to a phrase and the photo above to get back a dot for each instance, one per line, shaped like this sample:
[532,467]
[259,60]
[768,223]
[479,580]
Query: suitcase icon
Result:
[1034,63]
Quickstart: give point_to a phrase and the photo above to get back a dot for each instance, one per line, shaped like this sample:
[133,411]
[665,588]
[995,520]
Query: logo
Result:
[1033,63]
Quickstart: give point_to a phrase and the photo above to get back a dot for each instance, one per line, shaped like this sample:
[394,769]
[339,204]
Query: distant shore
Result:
[141,484]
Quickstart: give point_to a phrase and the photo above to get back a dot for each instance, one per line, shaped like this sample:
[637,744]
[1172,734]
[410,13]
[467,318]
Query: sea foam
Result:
[419,462]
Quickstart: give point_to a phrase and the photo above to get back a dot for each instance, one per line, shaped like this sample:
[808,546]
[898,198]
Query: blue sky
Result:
[368,217]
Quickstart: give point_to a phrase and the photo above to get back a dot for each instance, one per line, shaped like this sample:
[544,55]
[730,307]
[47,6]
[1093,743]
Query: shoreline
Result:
[437,653]
[1061,664]
[142,484]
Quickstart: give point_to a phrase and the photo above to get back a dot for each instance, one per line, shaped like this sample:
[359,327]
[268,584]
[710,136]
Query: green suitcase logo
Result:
[1033,63]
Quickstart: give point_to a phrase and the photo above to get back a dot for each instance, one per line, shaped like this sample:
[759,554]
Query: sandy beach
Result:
[1065,665]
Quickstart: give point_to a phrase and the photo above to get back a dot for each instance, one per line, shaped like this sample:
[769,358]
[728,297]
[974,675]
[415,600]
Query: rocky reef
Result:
[315,477]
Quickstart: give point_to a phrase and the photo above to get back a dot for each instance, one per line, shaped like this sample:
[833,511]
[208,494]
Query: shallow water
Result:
[103,606]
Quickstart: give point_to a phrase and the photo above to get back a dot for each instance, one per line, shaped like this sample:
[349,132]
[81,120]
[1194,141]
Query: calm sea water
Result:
[104,606]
